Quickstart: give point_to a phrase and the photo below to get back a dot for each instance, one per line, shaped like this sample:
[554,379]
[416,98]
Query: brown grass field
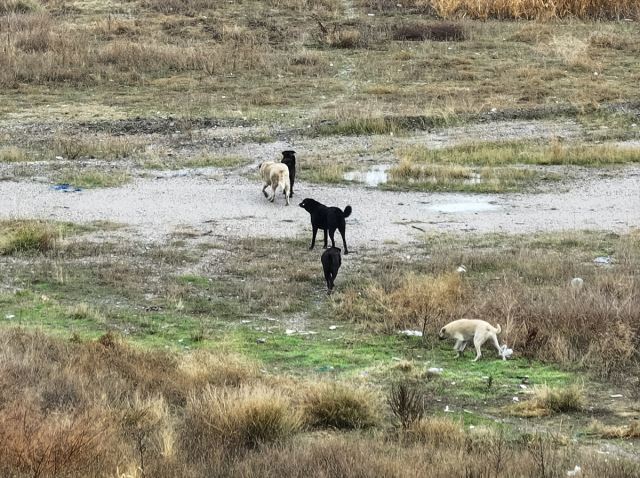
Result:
[203,355]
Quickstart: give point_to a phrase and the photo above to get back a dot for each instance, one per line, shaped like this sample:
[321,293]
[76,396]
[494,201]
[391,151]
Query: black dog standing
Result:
[327,219]
[289,158]
[331,261]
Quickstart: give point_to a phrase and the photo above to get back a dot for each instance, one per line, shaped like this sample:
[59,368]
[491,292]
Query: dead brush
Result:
[433,31]
[203,367]
[26,235]
[243,417]
[547,400]
[436,432]
[406,403]
[333,405]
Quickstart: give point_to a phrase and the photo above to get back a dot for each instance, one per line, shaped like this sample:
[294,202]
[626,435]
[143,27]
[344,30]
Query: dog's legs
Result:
[495,342]
[331,234]
[459,347]
[264,190]
[274,186]
[478,340]
[313,238]
[344,241]
[325,238]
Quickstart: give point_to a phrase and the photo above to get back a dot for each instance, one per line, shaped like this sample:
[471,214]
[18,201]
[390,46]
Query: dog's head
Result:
[288,154]
[307,204]
[443,333]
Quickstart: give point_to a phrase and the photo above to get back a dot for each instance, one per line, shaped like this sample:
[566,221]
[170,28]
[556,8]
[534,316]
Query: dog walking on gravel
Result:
[275,175]
[289,158]
[328,219]
[463,331]
[331,262]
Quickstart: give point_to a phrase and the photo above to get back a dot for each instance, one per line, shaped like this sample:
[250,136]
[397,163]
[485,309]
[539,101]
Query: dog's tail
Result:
[347,211]
[498,329]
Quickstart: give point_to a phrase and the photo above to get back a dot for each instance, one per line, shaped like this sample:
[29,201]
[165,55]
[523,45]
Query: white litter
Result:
[453,383]
[522,386]
[505,352]
[59,157]
[246,321]
[396,358]
[577,282]
[10,316]
[289,331]
[516,399]
[333,327]
[575,471]
[471,427]
[617,395]
[413,333]
[435,369]
[462,269]
[446,409]
[602,260]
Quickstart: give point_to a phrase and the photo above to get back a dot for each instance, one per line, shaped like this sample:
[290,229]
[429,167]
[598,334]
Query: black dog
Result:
[331,261]
[288,158]
[327,219]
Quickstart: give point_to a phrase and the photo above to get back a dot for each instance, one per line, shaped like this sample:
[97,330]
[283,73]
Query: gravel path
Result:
[234,207]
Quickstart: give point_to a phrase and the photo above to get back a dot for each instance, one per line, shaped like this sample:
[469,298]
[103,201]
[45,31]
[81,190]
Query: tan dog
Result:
[464,331]
[276,175]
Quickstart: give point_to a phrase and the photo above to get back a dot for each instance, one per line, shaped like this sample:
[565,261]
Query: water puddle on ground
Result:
[376,175]
[465,207]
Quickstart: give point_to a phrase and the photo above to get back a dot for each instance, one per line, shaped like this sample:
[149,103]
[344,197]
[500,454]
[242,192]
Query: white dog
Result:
[463,331]
[276,175]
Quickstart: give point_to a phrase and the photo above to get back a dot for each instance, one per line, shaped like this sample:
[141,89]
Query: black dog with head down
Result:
[289,158]
[331,262]
[328,219]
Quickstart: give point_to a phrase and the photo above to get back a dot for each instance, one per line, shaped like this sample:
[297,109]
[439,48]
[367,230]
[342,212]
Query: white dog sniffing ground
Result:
[464,331]
[275,175]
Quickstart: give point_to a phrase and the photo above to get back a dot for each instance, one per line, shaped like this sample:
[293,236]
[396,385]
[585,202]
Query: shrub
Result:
[441,31]
[547,400]
[436,432]
[406,403]
[244,417]
[22,235]
[331,405]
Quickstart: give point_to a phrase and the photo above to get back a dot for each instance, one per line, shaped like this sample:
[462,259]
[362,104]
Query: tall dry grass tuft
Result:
[331,405]
[436,432]
[406,301]
[243,417]
[26,235]
[547,400]
[535,9]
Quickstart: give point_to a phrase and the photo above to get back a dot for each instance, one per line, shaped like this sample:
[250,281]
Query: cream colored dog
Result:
[276,175]
[463,331]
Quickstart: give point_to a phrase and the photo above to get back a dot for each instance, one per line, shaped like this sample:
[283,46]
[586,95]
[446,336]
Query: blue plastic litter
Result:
[65,188]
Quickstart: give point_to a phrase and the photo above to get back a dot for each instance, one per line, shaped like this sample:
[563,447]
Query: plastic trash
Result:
[523,386]
[617,395]
[462,269]
[471,427]
[575,471]
[516,399]
[396,358]
[289,331]
[446,409]
[246,321]
[505,352]
[577,282]
[261,341]
[324,369]
[10,316]
[602,260]
[412,333]
[65,188]
[435,369]
[333,327]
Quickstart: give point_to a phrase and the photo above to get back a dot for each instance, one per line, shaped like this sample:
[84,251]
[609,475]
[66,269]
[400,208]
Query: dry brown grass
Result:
[331,405]
[547,400]
[631,431]
[403,302]
[534,9]
[436,432]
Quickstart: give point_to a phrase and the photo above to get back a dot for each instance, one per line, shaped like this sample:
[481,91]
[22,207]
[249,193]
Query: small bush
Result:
[436,432]
[443,31]
[244,417]
[202,367]
[406,403]
[22,235]
[330,405]
[547,400]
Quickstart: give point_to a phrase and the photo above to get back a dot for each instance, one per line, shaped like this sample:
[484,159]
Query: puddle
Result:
[465,207]
[376,175]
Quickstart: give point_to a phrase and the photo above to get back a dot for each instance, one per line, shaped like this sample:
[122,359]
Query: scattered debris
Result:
[10,316]
[261,341]
[516,399]
[65,188]
[446,409]
[602,260]
[505,352]
[289,331]
[413,333]
[462,269]
[522,386]
[574,472]
[333,327]
[617,395]
[435,369]
[324,369]
[396,358]
[577,282]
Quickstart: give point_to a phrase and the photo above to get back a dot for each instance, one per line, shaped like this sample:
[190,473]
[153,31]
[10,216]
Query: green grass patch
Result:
[357,127]
[32,235]
[522,152]
[93,179]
